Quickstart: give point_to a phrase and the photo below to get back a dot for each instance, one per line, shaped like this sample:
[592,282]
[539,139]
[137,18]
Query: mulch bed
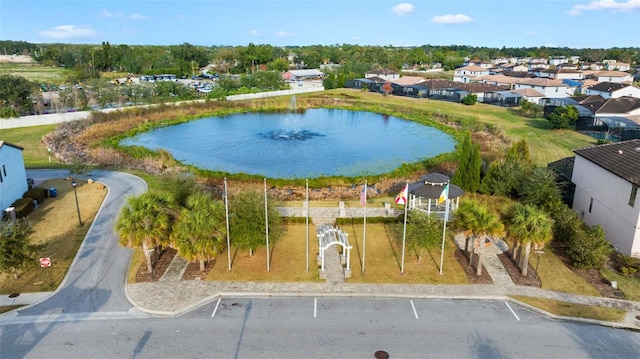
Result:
[531,280]
[165,259]
[193,271]
[470,271]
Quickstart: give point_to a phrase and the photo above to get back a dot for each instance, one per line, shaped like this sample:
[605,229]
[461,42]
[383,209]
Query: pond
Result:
[318,142]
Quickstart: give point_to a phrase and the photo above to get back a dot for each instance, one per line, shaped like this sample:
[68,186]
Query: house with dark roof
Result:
[613,90]
[607,178]
[13,177]
[622,106]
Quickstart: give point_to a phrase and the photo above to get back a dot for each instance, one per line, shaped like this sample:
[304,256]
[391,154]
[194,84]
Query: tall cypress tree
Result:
[467,175]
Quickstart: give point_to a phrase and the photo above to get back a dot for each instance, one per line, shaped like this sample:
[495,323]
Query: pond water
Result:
[318,142]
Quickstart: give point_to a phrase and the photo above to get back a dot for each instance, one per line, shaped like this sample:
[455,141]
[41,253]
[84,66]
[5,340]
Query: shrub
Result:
[37,193]
[24,206]
[588,248]
[470,99]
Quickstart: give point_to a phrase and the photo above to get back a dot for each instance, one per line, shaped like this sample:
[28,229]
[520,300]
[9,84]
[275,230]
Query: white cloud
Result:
[109,14]
[452,19]
[282,33]
[605,5]
[136,16]
[68,32]
[254,32]
[404,9]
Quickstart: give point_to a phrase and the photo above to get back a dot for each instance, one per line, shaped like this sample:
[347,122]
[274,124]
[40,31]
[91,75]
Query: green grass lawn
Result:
[36,73]
[35,153]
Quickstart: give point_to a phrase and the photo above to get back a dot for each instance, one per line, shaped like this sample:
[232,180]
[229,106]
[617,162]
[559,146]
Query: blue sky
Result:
[494,23]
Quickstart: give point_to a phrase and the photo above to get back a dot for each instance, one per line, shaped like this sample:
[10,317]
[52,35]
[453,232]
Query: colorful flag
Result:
[363,196]
[401,198]
[444,195]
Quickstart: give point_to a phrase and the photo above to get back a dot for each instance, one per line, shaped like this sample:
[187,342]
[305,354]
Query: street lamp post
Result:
[75,193]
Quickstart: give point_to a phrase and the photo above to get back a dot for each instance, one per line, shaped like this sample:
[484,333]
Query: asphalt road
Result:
[324,328]
[96,280]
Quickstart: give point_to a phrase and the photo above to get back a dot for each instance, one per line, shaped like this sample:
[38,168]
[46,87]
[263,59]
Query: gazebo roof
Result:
[432,185]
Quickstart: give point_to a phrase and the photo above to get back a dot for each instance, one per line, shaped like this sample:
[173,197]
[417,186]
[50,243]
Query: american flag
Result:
[363,196]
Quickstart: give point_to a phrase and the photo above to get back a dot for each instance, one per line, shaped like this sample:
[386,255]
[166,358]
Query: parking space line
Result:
[512,312]
[315,307]
[414,309]
[216,308]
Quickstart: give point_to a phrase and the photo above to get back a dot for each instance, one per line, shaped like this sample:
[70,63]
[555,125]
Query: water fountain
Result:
[294,132]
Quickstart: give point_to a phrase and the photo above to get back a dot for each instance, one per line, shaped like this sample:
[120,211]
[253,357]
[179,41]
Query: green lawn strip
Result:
[558,277]
[573,310]
[6,308]
[35,153]
[630,286]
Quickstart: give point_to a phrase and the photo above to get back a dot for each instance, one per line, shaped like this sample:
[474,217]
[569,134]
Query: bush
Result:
[588,248]
[24,206]
[370,220]
[37,193]
[470,99]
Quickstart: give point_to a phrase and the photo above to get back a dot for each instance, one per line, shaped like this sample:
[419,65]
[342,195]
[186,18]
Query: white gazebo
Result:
[329,235]
[424,194]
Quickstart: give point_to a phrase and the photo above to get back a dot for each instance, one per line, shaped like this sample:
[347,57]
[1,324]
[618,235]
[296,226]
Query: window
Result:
[4,170]
[634,193]
[590,204]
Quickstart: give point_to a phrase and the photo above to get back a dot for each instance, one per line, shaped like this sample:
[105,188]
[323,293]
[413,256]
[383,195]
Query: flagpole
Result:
[444,227]
[364,230]
[404,231]
[307,221]
[226,212]
[266,221]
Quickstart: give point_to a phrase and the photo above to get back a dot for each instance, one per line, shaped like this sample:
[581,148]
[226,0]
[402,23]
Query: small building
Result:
[388,75]
[303,75]
[613,90]
[468,73]
[13,177]
[607,178]
[424,194]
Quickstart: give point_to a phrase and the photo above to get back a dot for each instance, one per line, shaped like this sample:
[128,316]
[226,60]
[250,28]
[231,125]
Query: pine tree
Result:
[469,165]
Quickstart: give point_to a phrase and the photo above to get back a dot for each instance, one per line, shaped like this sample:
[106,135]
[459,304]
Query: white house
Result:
[614,76]
[547,87]
[388,75]
[607,178]
[558,74]
[13,177]
[617,66]
[613,90]
[468,73]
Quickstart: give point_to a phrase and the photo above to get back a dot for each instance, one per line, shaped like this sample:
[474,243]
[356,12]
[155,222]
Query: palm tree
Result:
[529,225]
[201,229]
[479,223]
[145,222]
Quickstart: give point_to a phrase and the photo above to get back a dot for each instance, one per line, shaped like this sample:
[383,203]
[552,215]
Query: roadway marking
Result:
[216,308]
[315,307]
[512,312]
[414,309]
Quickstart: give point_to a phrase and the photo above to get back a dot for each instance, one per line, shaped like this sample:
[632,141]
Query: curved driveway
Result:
[96,279]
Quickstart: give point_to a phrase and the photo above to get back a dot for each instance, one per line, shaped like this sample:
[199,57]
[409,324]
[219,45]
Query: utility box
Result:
[53,192]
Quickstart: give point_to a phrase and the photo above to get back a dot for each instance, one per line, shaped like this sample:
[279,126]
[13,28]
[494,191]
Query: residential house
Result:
[302,75]
[388,75]
[469,73]
[618,66]
[555,61]
[498,80]
[607,179]
[513,68]
[13,177]
[559,74]
[372,84]
[404,85]
[426,88]
[614,76]
[568,65]
[596,66]
[537,64]
[613,90]
[621,106]
[530,95]
[547,87]
[460,91]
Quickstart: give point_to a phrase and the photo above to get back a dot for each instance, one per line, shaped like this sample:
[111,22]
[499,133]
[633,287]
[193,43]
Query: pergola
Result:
[329,235]
[424,194]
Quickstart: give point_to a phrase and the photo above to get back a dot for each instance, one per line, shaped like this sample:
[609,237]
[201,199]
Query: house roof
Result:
[542,82]
[498,78]
[620,105]
[618,158]
[611,73]
[409,80]
[473,68]
[528,92]
[607,86]
[310,72]
[479,87]
[560,71]
[432,185]
[3,143]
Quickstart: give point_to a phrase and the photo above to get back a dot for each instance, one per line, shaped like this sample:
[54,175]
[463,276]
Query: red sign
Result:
[45,262]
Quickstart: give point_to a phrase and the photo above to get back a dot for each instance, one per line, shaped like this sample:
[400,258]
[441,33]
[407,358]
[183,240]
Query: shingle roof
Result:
[607,86]
[611,73]
[620,158]
[620,105]
[528,92]
[542,82]
[409,80]
[382,72]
